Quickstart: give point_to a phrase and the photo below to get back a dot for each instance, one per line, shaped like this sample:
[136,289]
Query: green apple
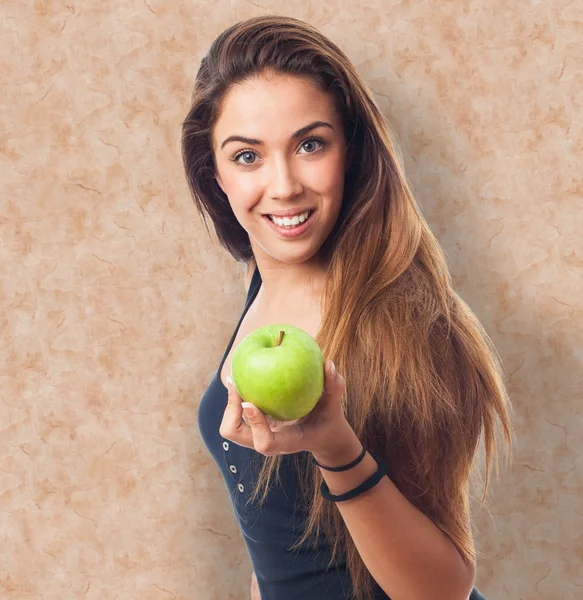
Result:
[279,369]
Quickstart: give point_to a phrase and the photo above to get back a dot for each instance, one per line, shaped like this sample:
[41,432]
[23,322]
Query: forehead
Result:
[274,107]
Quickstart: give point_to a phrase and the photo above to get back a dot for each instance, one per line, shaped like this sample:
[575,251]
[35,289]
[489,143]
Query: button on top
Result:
[233,468]
[241,487]
[225,445]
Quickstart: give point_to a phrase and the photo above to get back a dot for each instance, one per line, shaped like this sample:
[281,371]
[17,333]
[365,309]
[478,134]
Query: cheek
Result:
[334,172]
[241,191]
[330,184]
[242,186]
[326,178]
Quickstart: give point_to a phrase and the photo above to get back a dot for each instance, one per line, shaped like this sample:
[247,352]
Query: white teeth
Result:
[287,222]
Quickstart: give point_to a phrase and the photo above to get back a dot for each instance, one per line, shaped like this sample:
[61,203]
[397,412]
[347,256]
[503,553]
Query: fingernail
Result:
[247,409]
[229,380]
[247,405]
[333,367]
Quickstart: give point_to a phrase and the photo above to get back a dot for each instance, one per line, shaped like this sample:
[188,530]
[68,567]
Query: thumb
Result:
[333,381]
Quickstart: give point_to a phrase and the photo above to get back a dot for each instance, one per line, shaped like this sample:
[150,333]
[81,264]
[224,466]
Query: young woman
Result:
[367,496]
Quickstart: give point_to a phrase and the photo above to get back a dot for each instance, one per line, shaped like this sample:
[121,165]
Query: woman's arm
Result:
[405,552]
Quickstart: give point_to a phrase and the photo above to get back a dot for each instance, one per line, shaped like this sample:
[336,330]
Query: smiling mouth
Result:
[287,222]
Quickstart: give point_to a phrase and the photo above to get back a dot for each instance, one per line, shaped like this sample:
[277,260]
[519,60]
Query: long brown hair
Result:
[423,379]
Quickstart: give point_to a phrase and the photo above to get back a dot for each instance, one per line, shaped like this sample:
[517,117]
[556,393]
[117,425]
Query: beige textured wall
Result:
[115,307]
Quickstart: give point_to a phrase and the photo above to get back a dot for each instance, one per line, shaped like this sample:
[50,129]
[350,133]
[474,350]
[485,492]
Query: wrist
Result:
[344,448]
[342,453]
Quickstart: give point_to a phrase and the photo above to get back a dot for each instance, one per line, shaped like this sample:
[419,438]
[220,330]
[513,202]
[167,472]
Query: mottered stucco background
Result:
[116,307]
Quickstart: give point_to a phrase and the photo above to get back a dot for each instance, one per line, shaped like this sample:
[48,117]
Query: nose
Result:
[283,182]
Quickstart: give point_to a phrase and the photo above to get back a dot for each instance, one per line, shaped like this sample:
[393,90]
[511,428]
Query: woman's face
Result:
[275,171]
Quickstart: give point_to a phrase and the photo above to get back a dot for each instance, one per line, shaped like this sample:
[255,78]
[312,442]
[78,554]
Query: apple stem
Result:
[281,334]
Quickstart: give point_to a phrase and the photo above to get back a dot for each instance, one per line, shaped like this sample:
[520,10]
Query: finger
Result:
[333,381]
[232,426]
[263,437]
[273,423]
[334,386]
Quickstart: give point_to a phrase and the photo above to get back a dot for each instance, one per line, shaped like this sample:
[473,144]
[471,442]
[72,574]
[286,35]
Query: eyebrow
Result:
[299,133]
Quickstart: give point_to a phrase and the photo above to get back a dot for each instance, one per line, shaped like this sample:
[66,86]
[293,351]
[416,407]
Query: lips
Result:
[288,213]
[307,214]
[291,232]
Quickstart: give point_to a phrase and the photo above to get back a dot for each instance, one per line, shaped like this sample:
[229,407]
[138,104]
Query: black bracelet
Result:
[345,467]
[363,487]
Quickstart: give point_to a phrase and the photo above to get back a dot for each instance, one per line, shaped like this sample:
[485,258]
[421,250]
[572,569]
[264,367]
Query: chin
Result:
[289,258]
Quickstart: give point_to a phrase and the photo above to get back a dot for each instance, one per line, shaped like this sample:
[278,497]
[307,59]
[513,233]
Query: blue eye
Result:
[236,157]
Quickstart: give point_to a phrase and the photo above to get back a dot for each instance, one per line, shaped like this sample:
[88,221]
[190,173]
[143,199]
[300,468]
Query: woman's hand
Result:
[321,431]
